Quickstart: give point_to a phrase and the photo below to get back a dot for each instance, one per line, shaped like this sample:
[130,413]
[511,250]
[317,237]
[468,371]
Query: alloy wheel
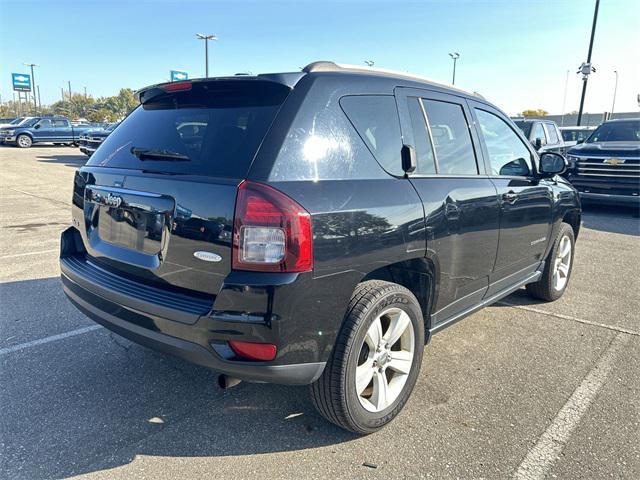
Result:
[562,264]
[385,360]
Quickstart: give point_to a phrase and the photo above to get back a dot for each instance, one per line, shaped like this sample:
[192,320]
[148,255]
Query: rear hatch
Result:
[155,202]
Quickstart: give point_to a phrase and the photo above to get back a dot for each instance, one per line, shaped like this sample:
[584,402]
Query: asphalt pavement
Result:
[522,389]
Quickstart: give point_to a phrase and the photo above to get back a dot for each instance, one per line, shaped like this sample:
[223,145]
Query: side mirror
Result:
[37,126]
[580,141]
[552,163]
[538,143]
[409,162]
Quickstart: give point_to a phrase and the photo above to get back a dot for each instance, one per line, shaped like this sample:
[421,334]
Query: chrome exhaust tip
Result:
[225,382]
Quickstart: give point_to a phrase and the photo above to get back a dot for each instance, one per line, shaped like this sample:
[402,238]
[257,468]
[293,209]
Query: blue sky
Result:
[516,53]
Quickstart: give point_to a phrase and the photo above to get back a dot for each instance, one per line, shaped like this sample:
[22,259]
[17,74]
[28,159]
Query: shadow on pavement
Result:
[75,161]
[95,401]
[614,219]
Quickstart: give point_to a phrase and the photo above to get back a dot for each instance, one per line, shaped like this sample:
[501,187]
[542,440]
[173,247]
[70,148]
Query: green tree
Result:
[535,113]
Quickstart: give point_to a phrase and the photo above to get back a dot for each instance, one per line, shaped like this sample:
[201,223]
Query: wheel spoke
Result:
[374,334]
[364,374]
[563,270]
[401,361]
[565,248]
[380,390]
[398,326]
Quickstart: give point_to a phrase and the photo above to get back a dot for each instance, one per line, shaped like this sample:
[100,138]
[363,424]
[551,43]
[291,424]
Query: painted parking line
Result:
[53,338]
[573,319]
[14,255]
[545,452]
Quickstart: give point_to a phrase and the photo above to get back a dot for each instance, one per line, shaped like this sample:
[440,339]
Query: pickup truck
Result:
[544,135]
[605,168]
[56,130]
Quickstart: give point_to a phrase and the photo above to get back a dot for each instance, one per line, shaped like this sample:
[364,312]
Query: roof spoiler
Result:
[287,79]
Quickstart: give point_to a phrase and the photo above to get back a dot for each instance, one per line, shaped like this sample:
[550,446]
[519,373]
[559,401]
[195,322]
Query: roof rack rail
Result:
[329,66]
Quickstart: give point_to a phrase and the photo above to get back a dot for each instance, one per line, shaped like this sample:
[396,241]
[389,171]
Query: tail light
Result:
[271,232]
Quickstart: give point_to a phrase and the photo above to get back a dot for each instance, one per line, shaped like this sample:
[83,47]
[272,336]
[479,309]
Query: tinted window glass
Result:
[628,131]
[508,155]
[424,151]
[60,123]
[524,126]
[538,132]
[45,123]
[451,138]
[213,129]
[375,117]
[551,133]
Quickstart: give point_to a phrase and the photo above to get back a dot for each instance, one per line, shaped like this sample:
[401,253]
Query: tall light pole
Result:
[33,85]
[369,63]
[454,56]
[564,97]
[586,68]
[69,83]
[615,89]
[85,91]
[206,39]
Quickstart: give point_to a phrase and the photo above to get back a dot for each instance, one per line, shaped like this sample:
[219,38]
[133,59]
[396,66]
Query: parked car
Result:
[606,167]
[318,229]
[544,135]
[12,122]
[53,129]
[575,135]
[92,138]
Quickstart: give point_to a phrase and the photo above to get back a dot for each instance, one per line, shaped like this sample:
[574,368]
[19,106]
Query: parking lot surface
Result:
[522,389]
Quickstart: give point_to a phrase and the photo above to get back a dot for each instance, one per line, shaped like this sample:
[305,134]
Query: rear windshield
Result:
[214,129]
[627,131]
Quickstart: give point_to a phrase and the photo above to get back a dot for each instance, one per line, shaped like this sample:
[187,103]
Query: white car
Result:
[16,122]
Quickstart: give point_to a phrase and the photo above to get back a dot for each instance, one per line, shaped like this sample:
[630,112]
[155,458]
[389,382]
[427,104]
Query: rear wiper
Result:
[166,155]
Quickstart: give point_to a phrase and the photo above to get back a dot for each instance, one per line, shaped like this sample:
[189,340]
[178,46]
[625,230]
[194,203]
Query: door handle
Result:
[510,196]
[452,211]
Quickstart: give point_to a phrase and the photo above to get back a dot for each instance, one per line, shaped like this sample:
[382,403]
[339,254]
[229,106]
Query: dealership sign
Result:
[21,82]
[176,76]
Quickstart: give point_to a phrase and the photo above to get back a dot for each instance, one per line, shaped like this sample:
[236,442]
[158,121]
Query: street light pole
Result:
[69,83]
[585,77]
[455,56]
[615,89]
[564,97]
[206,39]
[33,85]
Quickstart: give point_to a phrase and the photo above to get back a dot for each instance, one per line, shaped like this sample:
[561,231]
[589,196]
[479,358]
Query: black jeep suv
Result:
[313,227]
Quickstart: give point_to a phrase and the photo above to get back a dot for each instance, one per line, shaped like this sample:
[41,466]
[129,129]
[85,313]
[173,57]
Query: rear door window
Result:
[375,118]
[214,129]
[451,138]
[551,134]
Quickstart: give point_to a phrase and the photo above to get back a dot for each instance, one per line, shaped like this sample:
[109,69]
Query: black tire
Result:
[24,141]
[544,288]
[334,393]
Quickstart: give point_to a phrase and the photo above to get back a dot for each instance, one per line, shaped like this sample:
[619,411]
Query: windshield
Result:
[213,129]
[30,122]
[16,121]
[525,127]
[626,131]
[576,135]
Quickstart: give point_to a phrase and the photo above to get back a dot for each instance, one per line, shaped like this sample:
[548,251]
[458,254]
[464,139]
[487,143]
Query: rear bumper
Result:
[264,308]
[143,329]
